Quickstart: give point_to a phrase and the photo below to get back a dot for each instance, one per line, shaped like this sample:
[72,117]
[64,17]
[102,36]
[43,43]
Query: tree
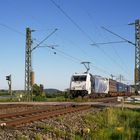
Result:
[36,90]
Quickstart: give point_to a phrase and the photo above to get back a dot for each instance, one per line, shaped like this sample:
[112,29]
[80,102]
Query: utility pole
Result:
[137,55]
[29,74]
[28,64]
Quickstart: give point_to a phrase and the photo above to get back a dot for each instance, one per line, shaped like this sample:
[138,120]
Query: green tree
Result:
[36,90]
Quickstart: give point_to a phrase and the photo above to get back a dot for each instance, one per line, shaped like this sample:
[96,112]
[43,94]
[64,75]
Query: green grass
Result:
[55,99]
[108,124]
[114,124]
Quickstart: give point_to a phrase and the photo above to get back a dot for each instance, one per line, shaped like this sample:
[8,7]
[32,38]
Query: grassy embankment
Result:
[109,124]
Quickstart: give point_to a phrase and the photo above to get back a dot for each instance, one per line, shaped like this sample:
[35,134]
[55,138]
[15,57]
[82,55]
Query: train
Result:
[95,85]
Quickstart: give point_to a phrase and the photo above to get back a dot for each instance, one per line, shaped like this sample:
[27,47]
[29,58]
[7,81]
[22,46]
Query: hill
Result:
[52,91]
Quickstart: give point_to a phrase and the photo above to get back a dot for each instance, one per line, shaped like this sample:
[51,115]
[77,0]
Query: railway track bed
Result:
[25,117]
[50,121]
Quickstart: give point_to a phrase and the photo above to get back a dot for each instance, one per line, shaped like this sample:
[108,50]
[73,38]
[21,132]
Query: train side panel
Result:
[121,87]
[101,85]
[131,89]
[112,85]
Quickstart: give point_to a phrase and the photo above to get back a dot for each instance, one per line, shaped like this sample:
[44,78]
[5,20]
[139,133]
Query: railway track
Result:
[21,118]
[5,106]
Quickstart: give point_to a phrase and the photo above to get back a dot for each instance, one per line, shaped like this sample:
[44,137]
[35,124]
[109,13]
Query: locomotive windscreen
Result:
[79,78]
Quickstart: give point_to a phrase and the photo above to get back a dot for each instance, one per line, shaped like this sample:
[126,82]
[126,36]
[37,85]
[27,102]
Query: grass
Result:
[21,137]
[38,136]
[108,124]
[114,124]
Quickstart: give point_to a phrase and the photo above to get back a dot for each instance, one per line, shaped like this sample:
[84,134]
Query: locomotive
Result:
[95,85]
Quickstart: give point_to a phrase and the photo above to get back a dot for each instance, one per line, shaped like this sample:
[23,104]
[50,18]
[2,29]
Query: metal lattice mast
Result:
[28,64]
[137,54]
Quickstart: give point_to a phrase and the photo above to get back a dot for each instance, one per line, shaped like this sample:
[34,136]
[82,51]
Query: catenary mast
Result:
[28,63]
[137,54]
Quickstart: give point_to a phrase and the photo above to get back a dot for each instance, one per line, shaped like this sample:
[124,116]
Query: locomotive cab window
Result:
[79,78]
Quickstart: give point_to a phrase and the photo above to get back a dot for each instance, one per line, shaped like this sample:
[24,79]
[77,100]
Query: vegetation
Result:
[38,136]
[4,93]
[114,124]
[40,95]
[108,124]
[21,137]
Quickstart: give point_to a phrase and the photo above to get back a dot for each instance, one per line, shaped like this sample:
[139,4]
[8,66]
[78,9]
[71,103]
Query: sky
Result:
[79,25]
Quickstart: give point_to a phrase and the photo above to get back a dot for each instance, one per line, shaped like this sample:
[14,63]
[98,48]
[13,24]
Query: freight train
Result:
[94,85]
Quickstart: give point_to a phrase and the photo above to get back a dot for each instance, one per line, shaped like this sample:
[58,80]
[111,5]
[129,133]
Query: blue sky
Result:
[73,46]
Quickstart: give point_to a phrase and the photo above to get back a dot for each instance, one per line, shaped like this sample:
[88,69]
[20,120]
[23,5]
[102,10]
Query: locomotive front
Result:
[80,85]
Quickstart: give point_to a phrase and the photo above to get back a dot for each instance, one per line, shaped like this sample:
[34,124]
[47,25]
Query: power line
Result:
[83,32]
[12,29]
[125,40]
[118,36]
[44,40]
[15,30]
[106,43]
[74,59]
[74,44]
[77,26]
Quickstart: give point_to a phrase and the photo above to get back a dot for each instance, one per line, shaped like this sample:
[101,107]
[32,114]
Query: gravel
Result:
[62,127]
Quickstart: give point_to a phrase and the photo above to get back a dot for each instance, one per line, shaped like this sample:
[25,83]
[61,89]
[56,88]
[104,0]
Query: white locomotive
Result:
[86,83]
[93,85]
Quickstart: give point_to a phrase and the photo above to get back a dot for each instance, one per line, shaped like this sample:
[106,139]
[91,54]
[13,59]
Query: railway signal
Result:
[9,79]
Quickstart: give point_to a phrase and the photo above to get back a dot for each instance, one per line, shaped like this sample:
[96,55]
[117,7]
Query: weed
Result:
[38,137]
[21,137]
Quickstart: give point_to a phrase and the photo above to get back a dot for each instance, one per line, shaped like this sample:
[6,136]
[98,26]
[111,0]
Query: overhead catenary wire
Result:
[66,54]
[44,40]
[105,43]
[75,45]
[12,29]
[109,43]
[86,35]
[118,36]
[124,39]
[73,58]
[112,42]
[75,24]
